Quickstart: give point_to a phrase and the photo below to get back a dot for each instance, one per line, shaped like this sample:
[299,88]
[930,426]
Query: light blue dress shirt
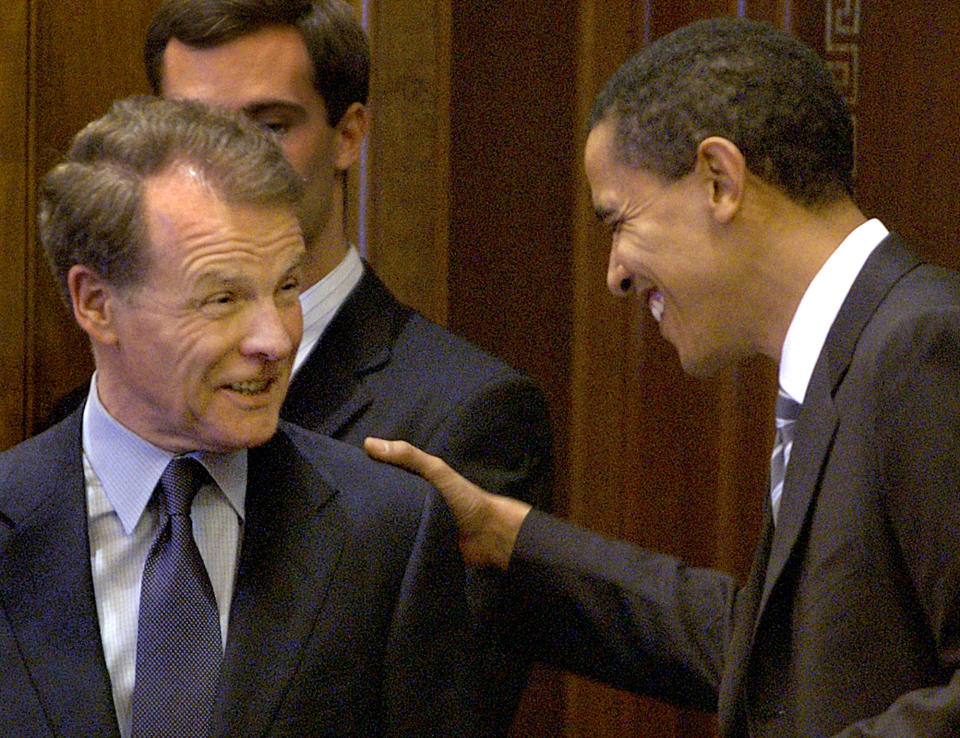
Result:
[121,471]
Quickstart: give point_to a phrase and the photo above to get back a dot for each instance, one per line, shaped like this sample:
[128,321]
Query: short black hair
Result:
[337,45]
[760,88]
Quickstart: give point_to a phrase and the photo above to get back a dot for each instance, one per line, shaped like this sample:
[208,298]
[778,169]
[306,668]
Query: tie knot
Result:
[179,484]
[787,409]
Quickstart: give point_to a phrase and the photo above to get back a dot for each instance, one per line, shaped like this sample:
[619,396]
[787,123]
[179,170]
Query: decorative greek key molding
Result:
[841,45]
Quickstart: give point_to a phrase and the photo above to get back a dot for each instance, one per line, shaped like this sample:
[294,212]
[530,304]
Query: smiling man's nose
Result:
[267,335]
[619,280]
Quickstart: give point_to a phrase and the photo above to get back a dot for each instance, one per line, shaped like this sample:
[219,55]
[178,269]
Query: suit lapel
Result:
[815,431]
[292,541]
[46,590]
[818,421]
[328,392]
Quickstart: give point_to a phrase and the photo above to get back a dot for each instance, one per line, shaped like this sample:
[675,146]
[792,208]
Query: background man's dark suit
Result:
[345,615]
[852,609]
[382,369]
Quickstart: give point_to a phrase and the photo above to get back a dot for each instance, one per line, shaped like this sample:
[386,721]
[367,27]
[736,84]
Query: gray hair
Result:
[91,204]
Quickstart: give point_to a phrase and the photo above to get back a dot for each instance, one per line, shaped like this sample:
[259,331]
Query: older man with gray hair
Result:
[174,560]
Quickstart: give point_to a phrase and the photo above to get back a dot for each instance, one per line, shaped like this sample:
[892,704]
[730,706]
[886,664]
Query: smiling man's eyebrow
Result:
[270,105]
[296,262]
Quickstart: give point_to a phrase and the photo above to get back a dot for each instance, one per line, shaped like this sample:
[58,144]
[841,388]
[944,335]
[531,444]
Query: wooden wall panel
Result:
[87,54]
[512,164]
[512,160]
[908,119]
[405,198]
[14,196]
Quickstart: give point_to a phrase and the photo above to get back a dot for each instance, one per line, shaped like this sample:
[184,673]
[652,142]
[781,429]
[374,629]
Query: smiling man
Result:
[198,357]
[367,365]
[721,158]
[174,559]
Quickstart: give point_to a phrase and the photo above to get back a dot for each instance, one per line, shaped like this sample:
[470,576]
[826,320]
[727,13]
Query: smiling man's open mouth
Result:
[252,387]
[655,304]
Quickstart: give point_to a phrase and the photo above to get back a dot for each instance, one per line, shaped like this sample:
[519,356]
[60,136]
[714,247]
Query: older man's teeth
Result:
[251,388]
[655,303]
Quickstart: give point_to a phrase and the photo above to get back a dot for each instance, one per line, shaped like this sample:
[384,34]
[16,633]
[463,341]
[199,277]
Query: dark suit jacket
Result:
[345,619]
[850,619]
[382,369]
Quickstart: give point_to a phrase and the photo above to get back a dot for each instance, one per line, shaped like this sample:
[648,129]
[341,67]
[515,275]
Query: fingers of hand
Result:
[409,457]
[399,453]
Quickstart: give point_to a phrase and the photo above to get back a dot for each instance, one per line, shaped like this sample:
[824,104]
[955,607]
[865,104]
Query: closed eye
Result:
[221,298]
[608,219]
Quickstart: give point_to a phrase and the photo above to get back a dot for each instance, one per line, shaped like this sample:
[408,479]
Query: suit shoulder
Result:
[937,283]
[417,335]
[928,295]
[426,348]
[361,483]
[24,469]
[911,339]
[44,450]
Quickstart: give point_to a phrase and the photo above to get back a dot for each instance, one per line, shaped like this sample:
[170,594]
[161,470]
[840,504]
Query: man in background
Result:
[171,561]
[721,159]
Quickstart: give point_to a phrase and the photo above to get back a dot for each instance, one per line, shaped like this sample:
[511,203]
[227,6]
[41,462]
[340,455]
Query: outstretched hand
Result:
[488,523]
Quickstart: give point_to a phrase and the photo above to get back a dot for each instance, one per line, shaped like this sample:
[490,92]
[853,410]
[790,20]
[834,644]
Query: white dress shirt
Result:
[321,301]
[816,313]
[820,304]
[121,471]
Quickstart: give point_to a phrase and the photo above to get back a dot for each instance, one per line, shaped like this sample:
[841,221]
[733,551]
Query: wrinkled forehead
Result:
[602,162]
[186,215]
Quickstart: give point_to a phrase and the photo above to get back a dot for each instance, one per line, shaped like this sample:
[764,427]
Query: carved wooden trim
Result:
[841,45]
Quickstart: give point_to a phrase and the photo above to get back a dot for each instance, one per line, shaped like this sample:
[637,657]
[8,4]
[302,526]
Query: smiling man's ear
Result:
[724,169]
[92,300]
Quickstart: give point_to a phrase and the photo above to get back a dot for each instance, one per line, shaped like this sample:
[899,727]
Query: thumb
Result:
[460,493]
[409,457]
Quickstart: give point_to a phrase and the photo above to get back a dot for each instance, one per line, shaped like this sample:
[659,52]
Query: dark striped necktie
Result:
[787,411]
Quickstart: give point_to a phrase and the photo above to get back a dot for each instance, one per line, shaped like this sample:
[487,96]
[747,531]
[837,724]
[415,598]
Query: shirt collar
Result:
[820,305]
[129,467]
[320,301]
